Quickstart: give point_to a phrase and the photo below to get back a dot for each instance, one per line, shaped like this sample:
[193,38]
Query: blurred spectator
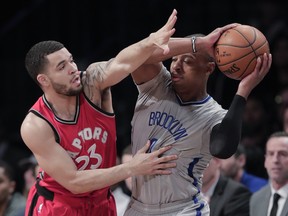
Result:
[257,126]
[279,50]
[256,122]
[4,143]
[276,163]
[122,192]
[234,167]
[11,150]
[28,167]
[285,120]
[281,104]
[11,202]
[278,77]
[224,195]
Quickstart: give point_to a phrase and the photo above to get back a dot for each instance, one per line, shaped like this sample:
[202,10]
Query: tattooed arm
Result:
[91,80]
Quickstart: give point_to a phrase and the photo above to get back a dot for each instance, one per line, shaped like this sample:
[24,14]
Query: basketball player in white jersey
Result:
[174,108]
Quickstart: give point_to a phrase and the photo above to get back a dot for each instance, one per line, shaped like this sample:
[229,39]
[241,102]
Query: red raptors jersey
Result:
[89,139]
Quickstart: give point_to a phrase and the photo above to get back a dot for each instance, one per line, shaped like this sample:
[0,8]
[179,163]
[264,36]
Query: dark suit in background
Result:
[260,201]
[230,198]
[226,197]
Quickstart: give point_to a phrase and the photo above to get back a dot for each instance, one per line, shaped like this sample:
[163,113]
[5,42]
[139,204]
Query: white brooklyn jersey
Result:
[161,116]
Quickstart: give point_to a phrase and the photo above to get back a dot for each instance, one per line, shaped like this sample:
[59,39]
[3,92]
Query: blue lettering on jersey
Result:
[168,122]
[152,144]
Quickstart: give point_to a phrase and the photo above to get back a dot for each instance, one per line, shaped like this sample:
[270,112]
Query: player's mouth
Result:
[76,80]
[175,77]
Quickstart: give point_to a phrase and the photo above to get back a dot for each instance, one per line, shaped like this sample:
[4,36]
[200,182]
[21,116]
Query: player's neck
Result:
[190,97]
[192,93]
[64,107]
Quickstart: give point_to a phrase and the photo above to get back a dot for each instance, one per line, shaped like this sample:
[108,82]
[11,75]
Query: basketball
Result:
[237,50]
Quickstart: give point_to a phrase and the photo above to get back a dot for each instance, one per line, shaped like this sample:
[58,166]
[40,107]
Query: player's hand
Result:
[249,82]
[208,42]
[152,163]
[162,36]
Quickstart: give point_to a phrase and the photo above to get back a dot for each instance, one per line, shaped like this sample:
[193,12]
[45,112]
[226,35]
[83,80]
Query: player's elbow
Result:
[75,187]
[220,154]
[222,151]
[75,183]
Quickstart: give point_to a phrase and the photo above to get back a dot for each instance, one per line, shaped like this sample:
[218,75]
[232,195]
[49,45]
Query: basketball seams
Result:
[236,59]
[254,36]
[253,50]
[237,51]
[244,72]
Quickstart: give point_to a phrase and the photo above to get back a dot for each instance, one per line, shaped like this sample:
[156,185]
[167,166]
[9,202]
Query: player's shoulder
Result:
[33,122]
[98,66]
[35,131]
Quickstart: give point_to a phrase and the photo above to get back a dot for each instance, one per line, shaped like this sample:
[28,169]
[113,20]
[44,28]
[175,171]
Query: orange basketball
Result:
[237,50]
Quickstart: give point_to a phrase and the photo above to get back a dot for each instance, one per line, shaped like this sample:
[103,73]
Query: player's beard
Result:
[64,90]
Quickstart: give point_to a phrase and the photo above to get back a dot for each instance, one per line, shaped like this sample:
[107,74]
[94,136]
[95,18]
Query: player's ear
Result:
[211,67]
[43,79]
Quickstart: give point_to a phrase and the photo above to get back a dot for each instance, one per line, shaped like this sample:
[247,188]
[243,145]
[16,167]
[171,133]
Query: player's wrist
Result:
[193,41]
[199,44]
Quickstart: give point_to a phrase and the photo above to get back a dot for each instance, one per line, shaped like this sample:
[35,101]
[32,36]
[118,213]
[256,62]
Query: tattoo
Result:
[95,75]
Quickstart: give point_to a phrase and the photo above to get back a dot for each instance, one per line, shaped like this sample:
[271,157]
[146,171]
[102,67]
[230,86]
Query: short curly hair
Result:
[36,60]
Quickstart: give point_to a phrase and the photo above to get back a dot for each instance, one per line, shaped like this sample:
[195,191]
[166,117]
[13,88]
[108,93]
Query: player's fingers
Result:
[167,165]
[167,158]
[257,68]
[144,148]
[266,64]
[172,16]
[229,26]
[270,60]
[162,150]
[162,172]
[171,21]
[267,60]
[164,167]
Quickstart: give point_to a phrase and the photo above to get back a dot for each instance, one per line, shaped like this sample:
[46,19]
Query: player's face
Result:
[6,186]
[229,167]
[276,159]
[63,73]
[190,70]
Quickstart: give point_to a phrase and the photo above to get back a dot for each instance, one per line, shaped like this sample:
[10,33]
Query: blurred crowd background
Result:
[98,30]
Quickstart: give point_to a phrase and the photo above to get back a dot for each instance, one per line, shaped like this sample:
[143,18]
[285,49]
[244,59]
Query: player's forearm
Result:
[134,55]
[154,163]
[127,61]
[177,46]
[90,180]
[225,137]
[107,74]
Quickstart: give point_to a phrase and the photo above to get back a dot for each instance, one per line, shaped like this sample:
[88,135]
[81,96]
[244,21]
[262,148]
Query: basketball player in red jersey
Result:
[71,129]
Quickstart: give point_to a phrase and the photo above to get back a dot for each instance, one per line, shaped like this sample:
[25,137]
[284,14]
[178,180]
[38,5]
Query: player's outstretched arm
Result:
[181,45]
